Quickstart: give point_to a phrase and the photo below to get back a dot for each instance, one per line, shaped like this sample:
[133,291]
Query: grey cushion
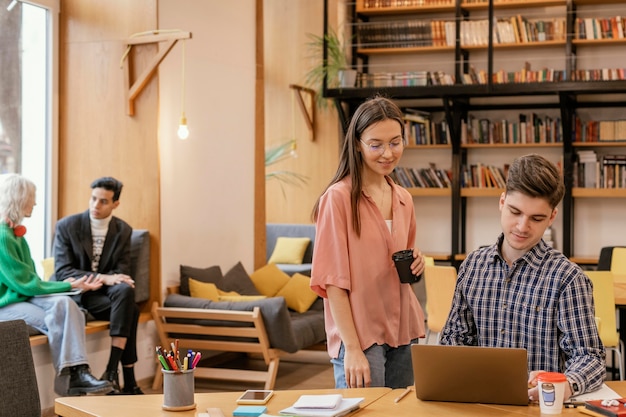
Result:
[290,269]
[140,263]
[20,395]
[212,275]
[286,330]
[275,230]
[238,280]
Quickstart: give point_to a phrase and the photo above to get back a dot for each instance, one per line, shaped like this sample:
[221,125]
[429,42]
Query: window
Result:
[28,107]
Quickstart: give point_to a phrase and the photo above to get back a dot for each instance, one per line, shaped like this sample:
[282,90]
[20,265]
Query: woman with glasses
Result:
[362,218]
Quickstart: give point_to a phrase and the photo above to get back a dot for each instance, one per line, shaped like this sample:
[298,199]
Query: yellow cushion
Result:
[206,290]
[241,297]
[298,293]
[48,268]
[289,250]
[269,279]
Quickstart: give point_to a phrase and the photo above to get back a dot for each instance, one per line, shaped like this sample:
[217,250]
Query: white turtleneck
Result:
[99,229]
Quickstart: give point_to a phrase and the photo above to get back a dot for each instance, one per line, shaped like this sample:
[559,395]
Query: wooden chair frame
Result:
[256,340]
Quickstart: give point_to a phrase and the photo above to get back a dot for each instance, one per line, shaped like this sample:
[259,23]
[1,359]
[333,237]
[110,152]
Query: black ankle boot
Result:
[82,382]
[113,378]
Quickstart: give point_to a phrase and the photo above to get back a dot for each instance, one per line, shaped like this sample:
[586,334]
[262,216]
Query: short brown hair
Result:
[535,176]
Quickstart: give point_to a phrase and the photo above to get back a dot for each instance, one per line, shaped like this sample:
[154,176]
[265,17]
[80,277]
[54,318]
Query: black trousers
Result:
[116,303]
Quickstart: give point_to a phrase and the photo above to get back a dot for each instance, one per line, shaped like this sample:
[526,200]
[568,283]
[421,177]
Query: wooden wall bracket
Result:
[170,39]
[308,113]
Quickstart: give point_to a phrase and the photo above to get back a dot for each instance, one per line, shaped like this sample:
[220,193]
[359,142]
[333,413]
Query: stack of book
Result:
[328,405]
[586,169]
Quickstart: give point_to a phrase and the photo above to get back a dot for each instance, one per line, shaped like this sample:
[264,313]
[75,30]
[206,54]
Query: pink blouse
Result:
[384,310]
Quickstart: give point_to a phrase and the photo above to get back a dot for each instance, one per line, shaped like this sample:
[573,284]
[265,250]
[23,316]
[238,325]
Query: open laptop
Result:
[470,374]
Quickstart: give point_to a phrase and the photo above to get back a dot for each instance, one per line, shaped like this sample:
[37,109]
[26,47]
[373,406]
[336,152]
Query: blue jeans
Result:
[389,367]
[59,318]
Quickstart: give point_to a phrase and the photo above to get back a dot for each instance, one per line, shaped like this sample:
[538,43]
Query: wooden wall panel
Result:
[96,136]
[287,61]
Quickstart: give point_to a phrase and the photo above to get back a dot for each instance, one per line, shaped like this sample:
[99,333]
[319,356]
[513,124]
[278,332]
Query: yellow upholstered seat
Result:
[618,261]
[604,301]
[440,282]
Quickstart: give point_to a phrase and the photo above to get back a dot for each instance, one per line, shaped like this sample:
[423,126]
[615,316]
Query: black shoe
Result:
[82,382]
[132,391]
[114,379]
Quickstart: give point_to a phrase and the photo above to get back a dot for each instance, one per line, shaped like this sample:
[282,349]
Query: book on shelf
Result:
[431,177]
[417,127]
[588,169]
[595,28]
[483,176]
[529,128]
[514,30]
[613,173]
[378,4]
[403,34]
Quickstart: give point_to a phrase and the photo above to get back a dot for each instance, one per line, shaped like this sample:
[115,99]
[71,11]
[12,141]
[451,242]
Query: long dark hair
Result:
[372,111]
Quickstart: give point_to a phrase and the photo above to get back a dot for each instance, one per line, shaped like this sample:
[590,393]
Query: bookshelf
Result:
[558,73]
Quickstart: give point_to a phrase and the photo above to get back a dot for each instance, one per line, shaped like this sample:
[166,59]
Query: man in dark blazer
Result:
[96,242]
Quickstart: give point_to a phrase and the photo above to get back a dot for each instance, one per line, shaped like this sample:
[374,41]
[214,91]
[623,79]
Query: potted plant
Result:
[335,69]
[278,153]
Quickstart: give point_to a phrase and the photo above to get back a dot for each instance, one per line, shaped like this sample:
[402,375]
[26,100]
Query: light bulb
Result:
[293,153]
[183,130]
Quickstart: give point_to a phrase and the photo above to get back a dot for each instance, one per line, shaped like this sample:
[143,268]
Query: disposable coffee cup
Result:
[551,389]
[178,390]
[403,260]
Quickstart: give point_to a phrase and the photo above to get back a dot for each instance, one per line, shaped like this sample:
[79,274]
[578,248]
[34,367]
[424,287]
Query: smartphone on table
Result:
[255,397]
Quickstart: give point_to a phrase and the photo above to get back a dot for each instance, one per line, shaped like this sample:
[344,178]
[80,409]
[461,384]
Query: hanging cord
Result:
[182,94]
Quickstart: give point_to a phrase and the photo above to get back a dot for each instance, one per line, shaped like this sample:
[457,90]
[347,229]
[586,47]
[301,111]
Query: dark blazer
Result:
[73,248]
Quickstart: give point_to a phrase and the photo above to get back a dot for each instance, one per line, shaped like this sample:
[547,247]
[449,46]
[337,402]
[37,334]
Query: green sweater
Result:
[18,278]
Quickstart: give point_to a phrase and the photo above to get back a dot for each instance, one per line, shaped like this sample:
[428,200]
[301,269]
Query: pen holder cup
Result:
[178,390]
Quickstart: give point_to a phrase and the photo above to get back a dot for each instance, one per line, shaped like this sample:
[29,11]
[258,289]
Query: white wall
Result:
[207,181]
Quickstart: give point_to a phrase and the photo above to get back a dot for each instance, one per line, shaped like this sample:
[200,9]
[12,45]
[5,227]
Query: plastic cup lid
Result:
[551,377]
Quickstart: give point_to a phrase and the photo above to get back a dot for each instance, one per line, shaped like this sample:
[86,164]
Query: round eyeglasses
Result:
[377,147]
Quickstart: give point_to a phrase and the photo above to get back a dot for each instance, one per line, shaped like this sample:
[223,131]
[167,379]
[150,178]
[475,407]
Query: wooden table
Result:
[411,406]
[150,405]
[378,402]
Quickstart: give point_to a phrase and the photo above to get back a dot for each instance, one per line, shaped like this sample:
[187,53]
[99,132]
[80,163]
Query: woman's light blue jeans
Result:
[59,318]
[389,367]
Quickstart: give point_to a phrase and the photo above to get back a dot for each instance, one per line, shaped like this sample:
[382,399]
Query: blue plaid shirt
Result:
[543,303]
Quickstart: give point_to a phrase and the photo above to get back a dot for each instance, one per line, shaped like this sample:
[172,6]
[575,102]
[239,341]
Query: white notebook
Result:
[347,405]
[318,401]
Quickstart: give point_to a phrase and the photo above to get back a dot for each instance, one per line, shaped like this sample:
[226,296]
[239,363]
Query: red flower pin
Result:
[19,230]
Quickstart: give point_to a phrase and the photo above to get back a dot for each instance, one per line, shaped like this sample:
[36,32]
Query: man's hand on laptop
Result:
[533,392]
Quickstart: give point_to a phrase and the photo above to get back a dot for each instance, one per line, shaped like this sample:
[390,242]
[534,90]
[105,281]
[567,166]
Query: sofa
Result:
[251,324]
[274,231]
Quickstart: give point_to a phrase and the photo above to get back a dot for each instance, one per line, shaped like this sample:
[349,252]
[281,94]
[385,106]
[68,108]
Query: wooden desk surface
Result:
[378,402]
[411,406]
[150,405]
